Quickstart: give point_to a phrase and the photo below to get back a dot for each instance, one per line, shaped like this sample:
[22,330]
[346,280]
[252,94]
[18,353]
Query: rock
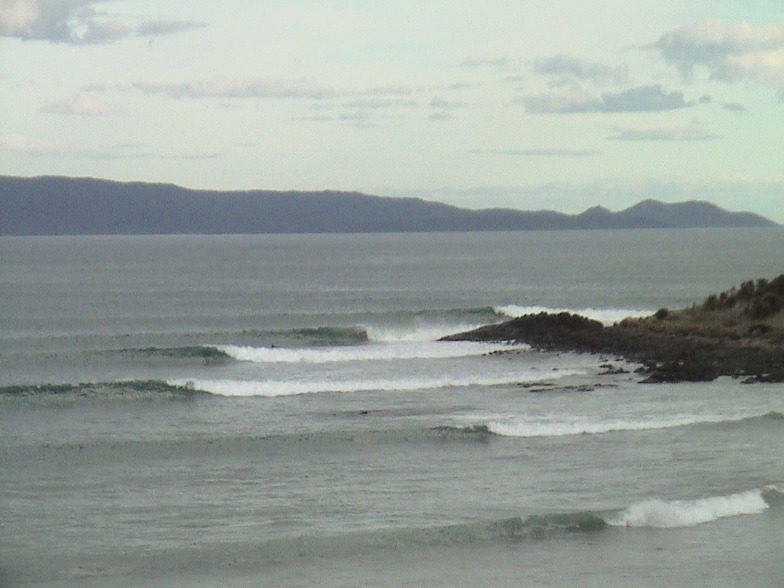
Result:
[667,355]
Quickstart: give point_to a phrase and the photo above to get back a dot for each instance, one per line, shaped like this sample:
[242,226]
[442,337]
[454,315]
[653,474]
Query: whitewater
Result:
[280,410]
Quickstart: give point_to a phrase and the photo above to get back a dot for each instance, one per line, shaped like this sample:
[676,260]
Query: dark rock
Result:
[667,356]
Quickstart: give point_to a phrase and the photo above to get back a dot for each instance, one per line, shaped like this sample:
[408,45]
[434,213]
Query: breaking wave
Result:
[274,388]
[587,427]
[607,316]
[390,351]
[662,514]
[667,514]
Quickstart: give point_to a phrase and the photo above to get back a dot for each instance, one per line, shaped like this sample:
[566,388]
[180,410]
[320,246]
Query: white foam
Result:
[416,333]
[372,352]
[606,316]
[687,513]
[577,426]
[274,388]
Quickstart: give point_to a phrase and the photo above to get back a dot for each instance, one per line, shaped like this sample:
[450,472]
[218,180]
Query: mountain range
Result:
[56,205]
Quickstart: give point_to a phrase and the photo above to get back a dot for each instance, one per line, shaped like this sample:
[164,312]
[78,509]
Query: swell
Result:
[371,352]
[206,353]
[276,388]
[668,514]
[511,530]
[132,389]
[521,428]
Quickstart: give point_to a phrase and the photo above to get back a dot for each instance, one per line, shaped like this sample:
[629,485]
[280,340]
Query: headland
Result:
[737,333]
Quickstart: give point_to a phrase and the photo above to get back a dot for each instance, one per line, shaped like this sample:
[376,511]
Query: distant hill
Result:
[53,205]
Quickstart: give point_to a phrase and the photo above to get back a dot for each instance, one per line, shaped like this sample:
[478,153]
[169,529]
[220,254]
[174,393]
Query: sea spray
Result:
[371,352]
[606,316]
[273,388]
[687,513]
[574,425]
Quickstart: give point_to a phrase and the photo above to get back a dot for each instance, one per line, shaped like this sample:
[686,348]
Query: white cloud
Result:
[443,103]
[81,104]
[729,51]
[380,104]
[156,28]
[231,88]
[661,134]
[566,69]
[76,22]
[390,91]
[30,146]
[478,62]
[734,107]
[22,144]
[18,17]
[440,116]
[569,102]
[555,152]
[359,119]
[641,99]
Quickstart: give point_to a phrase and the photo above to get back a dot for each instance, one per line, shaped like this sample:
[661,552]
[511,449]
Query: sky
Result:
[523,104]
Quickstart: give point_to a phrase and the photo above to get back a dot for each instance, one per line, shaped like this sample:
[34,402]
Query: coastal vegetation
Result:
[751,311]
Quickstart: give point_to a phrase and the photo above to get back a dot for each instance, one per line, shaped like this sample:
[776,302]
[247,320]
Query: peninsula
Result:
[738,333]
[56,205]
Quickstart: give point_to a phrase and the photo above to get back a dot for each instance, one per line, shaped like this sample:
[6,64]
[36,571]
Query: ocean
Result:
[277,410]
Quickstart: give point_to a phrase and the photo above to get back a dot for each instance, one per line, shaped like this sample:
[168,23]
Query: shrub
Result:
[765,306]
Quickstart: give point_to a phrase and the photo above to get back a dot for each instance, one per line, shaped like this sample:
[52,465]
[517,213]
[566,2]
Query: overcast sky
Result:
[526,104]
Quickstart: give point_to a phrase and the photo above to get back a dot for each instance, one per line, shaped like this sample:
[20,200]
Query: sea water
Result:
[278,410]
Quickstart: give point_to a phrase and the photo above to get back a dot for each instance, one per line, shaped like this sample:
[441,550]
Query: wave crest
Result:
[606,316]
[687,513]
[274,388]
[598,427]
[375,352]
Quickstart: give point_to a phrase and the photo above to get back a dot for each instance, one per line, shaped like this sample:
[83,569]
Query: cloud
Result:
[81,104]
[58,21]
[358,119]
[641,99]
[443,103]
[24,145]
[729,51]
[380,104]
[566,69]
[540,152]
[390,91]
[479,62]
[661,134]
[75,22]
[734,107]
[30,146]
[156,28]
[135,151]
[227,88]
[440,116]
[560,103]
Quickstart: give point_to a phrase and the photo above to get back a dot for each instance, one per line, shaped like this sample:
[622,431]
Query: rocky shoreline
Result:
[669,347]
